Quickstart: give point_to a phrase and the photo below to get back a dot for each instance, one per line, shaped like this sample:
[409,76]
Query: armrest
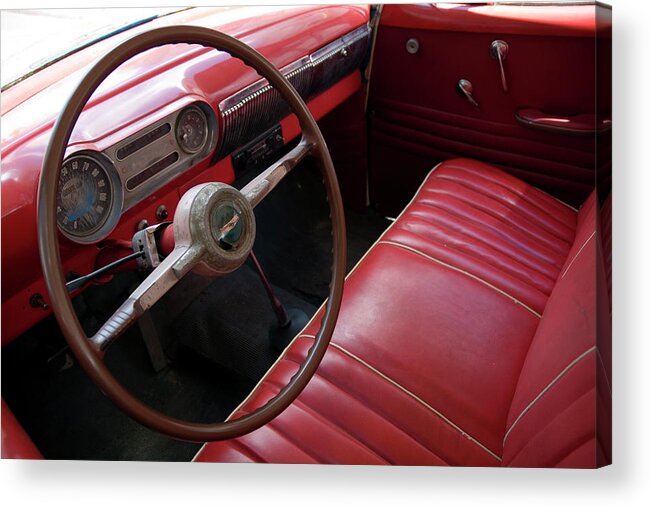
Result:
[579,125]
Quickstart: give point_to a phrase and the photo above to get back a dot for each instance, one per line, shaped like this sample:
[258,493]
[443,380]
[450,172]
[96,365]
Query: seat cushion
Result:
[350,413]
[436,323]
[491,225]
[560,414]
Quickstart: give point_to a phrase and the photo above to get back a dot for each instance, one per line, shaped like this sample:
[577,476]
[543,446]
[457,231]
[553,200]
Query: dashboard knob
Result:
[412,46]
[162,213]
[142,224]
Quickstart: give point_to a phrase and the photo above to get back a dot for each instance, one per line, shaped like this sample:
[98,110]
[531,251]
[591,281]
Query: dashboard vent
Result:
[258,107]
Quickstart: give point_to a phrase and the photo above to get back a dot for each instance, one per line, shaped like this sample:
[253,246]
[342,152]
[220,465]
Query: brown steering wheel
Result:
[196,236]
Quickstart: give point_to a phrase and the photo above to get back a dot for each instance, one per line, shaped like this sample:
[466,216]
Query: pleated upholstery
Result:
[445,351]
[492,225]
[335,420]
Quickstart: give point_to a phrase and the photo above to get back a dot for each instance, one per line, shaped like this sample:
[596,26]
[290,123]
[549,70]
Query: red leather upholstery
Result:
[466,337]
[496,227]
[562,366]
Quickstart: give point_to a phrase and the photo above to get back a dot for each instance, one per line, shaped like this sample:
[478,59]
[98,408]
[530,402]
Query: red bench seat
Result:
[468,335]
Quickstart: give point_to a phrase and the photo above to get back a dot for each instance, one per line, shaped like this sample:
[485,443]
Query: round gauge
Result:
[192,129]
[85,198]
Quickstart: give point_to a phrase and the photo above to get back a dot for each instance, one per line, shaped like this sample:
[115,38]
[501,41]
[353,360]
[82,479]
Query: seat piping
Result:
[412,395]
[569,265]
[452,267]
[547,388]
[282,355]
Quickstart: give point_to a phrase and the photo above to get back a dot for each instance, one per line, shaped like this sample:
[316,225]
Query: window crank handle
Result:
[499,51]
[464,88]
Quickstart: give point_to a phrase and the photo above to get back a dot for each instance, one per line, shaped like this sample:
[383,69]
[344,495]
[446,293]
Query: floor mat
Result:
[229,323]
[68,417]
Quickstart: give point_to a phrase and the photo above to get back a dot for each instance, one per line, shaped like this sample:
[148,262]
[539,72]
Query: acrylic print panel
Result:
[357,249]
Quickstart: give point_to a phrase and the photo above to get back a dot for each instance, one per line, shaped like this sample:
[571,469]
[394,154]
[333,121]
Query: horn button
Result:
[226,225]
[217,219]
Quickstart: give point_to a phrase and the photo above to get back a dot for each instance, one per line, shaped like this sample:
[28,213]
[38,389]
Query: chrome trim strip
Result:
[337,45]
[140,160]
[231,104]
[237,100]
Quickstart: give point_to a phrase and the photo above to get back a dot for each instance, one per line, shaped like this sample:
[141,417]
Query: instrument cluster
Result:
[96,188]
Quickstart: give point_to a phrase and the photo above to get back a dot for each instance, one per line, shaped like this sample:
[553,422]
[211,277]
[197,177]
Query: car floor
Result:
[215,335]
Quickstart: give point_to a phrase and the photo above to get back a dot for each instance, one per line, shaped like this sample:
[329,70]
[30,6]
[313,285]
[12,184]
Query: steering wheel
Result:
[201,244]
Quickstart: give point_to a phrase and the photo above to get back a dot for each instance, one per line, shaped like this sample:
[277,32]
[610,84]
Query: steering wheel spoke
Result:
[165,276]
[258,188]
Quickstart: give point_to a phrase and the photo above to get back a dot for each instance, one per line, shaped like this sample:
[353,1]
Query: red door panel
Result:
[418,117]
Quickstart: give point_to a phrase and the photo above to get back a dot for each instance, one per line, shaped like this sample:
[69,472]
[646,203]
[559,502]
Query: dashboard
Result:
[96,188]
[167,120]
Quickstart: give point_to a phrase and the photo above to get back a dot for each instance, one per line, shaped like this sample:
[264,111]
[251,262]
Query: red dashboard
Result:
[134,97]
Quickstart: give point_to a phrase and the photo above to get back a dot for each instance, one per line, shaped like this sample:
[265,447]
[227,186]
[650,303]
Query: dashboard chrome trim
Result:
[310,75]
[338,45]
[158,149]
[238,99]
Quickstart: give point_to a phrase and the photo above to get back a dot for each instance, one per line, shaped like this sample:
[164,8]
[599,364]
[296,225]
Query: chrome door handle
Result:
[499,51]
[464,88]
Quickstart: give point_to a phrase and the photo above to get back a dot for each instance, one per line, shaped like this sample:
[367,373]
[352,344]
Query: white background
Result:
[626,483]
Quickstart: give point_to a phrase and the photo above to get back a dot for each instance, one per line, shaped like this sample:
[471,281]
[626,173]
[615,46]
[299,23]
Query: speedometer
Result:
[86,198]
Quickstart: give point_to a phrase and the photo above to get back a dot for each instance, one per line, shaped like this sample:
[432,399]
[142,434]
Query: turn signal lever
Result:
[108,269]
[146,241]
[149,245]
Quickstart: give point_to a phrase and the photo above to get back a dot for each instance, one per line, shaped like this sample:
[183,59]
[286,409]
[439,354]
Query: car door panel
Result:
[418,117]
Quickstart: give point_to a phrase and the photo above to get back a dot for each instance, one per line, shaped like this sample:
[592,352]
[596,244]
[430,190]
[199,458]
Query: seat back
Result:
[563,384]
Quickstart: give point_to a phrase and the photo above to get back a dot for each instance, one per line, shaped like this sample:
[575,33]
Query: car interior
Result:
[314,234]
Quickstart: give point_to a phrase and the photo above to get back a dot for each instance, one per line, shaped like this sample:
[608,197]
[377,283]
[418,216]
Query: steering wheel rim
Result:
[89,357]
